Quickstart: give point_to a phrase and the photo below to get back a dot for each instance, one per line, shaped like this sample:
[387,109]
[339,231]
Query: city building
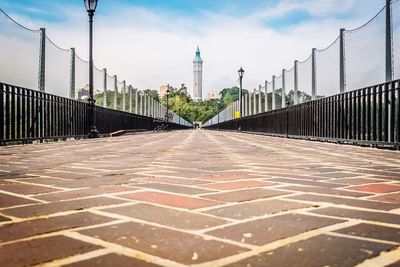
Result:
[163,90]
[198,77]
[212,95]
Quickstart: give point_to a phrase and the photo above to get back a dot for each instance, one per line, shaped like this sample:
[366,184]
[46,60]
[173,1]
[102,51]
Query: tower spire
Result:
[198,76]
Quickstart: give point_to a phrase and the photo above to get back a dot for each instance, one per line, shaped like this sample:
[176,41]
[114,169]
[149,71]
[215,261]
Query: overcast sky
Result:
[152,42]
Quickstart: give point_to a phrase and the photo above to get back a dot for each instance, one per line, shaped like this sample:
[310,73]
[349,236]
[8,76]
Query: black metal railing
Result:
[27,115]
[368,116]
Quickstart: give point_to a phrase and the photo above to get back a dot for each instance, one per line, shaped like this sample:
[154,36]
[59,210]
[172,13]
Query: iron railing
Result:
[27,115]
[368,116]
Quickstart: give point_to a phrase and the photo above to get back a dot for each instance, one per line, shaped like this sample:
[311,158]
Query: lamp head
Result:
[91,5]
[241,72]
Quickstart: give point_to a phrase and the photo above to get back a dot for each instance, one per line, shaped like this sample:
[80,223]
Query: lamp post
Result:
[241,74]
[91,8]
[179,115]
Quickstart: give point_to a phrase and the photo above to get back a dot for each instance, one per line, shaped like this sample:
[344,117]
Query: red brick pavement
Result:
[198,198]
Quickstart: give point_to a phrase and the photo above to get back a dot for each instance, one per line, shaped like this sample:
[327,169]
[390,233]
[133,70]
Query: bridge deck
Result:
[198,198]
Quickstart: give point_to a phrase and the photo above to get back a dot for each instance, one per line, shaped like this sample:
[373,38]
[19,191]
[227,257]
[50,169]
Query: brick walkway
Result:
[198,198]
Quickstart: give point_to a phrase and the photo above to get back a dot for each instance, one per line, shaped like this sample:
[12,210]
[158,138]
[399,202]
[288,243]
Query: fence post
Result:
[72,75]
[283,88]
[130,88]
[255,102]
[342,62]
[42,61]
[266,96]
[259,98]
[115,92]
[123,96]
[250,109]
[105,88]
[389,44]
[313,75]
[141,104]
[136,102]
[296,82]
[273,92]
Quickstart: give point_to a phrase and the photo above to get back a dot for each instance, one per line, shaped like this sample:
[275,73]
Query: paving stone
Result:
[15,231]
[165,216]
[171,200]
[169,244]
[9,200]
[264,231]
[339,175]
[346,201]
[318,251]
[357,181]
[3,219]
[307,183]
[377,188]
[254,209]
[112,260]
[178,181]
[236,185]
[46,209]
[80,193]
[26,189]
[396,264]
[373,231]
[42,250]
[245,195]
[390,198]
[323,190]
[175,188]
[358,214]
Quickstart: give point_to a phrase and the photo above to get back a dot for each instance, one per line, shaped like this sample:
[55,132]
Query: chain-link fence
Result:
[357,58]
[30,59]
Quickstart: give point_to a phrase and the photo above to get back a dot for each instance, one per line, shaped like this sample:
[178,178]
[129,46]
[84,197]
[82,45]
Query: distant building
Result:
[163,90]
[83,93]
[198,77]
[212,95]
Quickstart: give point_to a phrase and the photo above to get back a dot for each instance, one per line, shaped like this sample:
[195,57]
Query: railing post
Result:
[313,75]
[273,92]
[245,105]
[296,82]
[115,92]
[266,96]
[259,99]
[123,96]
[250,109]
[105,88]
[42,61]
[342,63]
[136,102]
[72,75]
[130,98]
[283,88]
[255,102]
[389,42]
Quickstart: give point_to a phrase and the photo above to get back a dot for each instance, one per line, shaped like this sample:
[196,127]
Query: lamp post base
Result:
[94,133]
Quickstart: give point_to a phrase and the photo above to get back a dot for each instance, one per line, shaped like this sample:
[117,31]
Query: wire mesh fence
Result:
[357,58]
[30,59]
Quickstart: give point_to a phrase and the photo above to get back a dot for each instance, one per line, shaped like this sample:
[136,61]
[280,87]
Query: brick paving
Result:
[198,198]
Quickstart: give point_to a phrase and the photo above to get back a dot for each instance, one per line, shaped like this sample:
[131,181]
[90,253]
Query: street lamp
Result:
[91,8]
[179,115]
[241,74]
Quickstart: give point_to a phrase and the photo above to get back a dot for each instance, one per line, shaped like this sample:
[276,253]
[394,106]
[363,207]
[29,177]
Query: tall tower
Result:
[198,77]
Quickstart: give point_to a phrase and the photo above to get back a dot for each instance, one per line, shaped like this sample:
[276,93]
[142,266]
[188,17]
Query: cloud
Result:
[149,48]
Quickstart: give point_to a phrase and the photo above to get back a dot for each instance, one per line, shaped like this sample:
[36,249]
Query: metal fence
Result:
[27,115]
[30,59]
[368,116]
[357,58]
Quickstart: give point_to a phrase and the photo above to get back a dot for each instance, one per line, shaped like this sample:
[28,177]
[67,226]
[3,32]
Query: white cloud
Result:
[149,49]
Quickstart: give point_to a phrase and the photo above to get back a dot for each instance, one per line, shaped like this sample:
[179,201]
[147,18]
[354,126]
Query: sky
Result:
[149,43]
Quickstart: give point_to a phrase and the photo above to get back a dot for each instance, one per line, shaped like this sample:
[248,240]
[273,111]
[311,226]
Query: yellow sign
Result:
[237,115]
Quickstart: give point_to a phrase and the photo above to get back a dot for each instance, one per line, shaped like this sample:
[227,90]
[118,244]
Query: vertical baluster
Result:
[359,109]
[364,110]
[392,111]
[23,113]
[368,111]
[374,114]
[379,113]
[2,123]
[13,109]
[18,111]
[8,121]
